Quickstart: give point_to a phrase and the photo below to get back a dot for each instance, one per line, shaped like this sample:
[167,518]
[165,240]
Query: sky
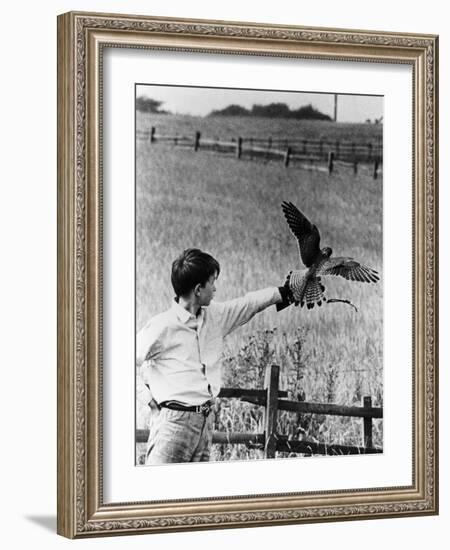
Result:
[201,101]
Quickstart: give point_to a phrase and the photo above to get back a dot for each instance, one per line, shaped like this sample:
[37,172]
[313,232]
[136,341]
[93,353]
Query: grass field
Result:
[231,126]
[231,209]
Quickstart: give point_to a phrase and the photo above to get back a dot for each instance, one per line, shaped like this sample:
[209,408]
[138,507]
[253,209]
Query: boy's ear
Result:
[197,289]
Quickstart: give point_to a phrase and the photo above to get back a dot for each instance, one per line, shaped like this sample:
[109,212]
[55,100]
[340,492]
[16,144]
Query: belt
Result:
[204,408]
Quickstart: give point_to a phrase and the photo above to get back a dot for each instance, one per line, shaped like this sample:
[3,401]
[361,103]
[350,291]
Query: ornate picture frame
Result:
[82,40]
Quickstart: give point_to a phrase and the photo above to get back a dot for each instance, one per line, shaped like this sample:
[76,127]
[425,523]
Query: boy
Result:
[180,352]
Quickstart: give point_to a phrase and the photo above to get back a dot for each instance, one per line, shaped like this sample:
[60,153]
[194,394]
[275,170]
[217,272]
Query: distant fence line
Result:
[305,153]
[273,400]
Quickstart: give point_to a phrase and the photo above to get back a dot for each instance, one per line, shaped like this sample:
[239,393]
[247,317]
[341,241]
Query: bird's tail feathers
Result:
[314,293]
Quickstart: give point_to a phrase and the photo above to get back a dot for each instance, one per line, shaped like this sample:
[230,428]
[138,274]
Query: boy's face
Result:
[207,291]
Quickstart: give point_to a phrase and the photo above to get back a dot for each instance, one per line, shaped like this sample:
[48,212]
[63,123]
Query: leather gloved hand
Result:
[286,294]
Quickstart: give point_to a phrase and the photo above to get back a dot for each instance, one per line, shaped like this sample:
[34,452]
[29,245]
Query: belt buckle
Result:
[205,408]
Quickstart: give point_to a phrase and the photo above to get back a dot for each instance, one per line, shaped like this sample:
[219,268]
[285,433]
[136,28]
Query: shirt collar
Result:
[183,314]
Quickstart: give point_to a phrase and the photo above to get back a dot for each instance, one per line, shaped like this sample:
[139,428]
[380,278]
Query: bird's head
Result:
[326,251]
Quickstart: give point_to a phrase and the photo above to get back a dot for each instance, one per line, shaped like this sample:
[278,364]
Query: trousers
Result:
[179,436]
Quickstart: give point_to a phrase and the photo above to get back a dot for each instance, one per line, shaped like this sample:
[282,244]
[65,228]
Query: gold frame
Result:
[81,37]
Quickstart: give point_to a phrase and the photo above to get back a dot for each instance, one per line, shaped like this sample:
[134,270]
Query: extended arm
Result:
[239,311]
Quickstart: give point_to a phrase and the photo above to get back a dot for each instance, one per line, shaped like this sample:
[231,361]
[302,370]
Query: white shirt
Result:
[181,354]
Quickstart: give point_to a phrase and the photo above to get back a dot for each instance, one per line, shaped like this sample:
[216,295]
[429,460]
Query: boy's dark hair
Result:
[191,268]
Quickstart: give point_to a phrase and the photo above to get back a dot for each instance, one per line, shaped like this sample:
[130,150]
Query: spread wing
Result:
[349,269]
[307,234]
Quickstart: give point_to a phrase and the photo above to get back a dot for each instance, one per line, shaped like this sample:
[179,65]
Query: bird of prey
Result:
[305,285]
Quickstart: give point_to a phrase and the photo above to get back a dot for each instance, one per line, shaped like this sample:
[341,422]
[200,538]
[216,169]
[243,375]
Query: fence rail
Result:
[273,400]
[304,153]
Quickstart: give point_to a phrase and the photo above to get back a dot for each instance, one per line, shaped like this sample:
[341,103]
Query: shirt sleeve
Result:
[239,311]
[148,342]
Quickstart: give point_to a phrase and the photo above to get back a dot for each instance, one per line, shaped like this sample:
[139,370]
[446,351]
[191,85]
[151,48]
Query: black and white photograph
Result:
[247,275]
[258,274]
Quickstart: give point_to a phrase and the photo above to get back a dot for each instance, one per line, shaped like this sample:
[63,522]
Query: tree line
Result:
[273,110]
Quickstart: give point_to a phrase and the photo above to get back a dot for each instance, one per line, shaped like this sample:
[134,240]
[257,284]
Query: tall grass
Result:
[304,380]
[231,209]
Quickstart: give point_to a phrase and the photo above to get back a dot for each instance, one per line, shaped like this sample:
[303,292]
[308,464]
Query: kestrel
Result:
[306,285]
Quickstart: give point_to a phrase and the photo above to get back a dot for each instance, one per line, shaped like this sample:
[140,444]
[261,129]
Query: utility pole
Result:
[335,107]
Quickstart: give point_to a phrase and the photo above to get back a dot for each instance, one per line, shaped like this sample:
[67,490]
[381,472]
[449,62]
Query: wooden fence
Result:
[273,400]
[313,154]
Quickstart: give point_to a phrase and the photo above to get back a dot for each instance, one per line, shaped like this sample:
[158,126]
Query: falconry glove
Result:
[286,295]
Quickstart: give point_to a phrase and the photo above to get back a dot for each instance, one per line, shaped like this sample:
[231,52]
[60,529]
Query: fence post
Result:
[152,134]
[355,160]
[271,412]
[197,141]
[367,425]
[239,148]
[287,156]
[330,161]
[269,147]
[375,169]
